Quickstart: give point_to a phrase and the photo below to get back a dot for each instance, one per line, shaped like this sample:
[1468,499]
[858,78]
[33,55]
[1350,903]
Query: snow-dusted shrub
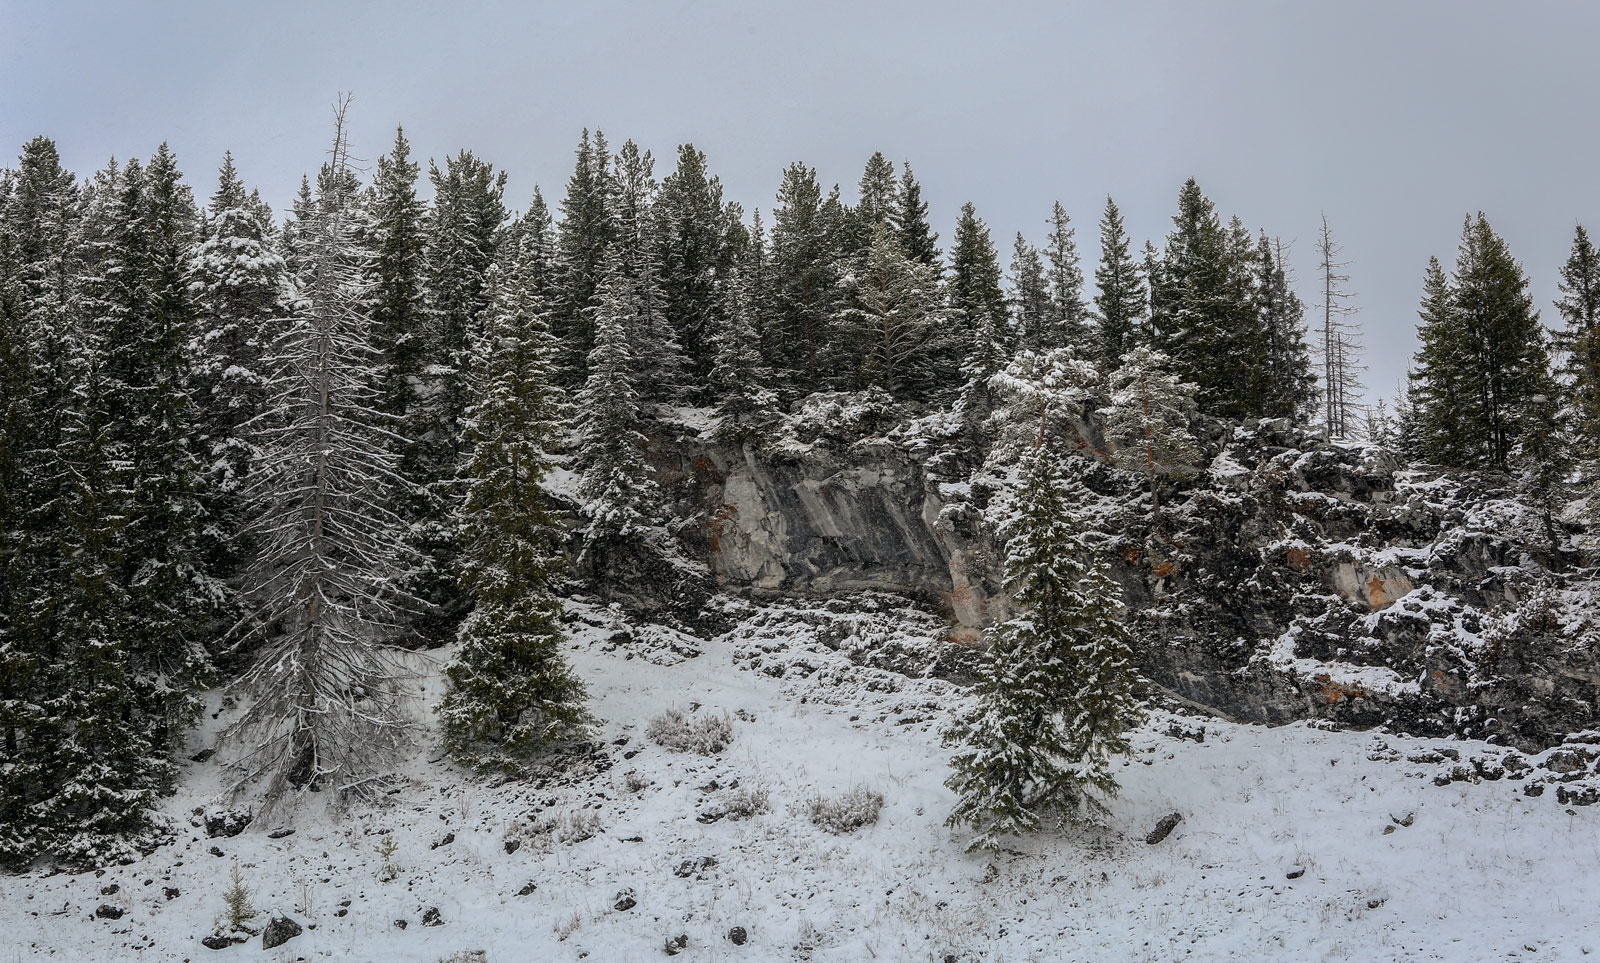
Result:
[568,925]
[706,735]
[467,956]
[567,828]
[848,812]
[746,802]
[633,782]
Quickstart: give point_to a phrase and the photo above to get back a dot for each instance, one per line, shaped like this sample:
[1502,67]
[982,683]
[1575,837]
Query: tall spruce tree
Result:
[461,240]
[1291,390]
[1030,298]
[583,237]
[745,408]
[618,494]
[1068,318]
[878,197]
[238,279]
[399,310]
[893,322]
[805,275]
[40,292]
[509,690]
[1121,299]
[910,221]
[537,230]
[172,591]
[460,243]
[138,343]
[657,354]
[984,339]
[1437,391]
[689,220]
[1055,696]
[1483,366]
[1579,306]
[1204,311]
[293,242]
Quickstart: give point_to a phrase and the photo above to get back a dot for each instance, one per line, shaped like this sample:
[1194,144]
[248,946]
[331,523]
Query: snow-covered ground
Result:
[1389,866]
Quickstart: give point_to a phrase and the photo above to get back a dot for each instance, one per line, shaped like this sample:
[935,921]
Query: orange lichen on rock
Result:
[1378,592]
[1334,692]
[715,523]
[706,470]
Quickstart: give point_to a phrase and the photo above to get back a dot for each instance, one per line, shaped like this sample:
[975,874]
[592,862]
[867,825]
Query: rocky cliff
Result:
[1294,579]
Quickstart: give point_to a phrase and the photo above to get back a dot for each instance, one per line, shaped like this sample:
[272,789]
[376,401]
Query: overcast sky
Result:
[1395,118]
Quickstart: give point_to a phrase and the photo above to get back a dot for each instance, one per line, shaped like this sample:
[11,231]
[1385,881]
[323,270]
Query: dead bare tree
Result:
[1339,343]
[326,694]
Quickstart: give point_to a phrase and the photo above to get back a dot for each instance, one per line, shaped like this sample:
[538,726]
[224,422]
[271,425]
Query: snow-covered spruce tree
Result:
[325,692]
[583,236]
[1055,696]
[40,243]
[746,407]
[83,757]
[1204,311]
[1433,421]
[689,240]
[293,242]
[1121,301]
[1029,297]
[894,322]
[537,229]
[509,688]
[1291,389]
[1579,306]
[398,307]
[461,235]
[135,340]
[657,355]
[985,342]
[804,284]
[910,221]
[878,195]
[1483,360]
[110,730]
[173,594]
[238,277]
[1148,422]
[618,495]
[1068,318]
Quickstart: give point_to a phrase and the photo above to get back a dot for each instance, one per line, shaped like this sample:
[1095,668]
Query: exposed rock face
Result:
[829,523]
[1292,580]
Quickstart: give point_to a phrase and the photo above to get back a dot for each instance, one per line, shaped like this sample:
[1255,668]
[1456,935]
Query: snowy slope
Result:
[1480,873]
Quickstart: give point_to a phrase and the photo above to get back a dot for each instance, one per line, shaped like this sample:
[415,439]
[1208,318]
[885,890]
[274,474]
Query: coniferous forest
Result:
[267,456]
